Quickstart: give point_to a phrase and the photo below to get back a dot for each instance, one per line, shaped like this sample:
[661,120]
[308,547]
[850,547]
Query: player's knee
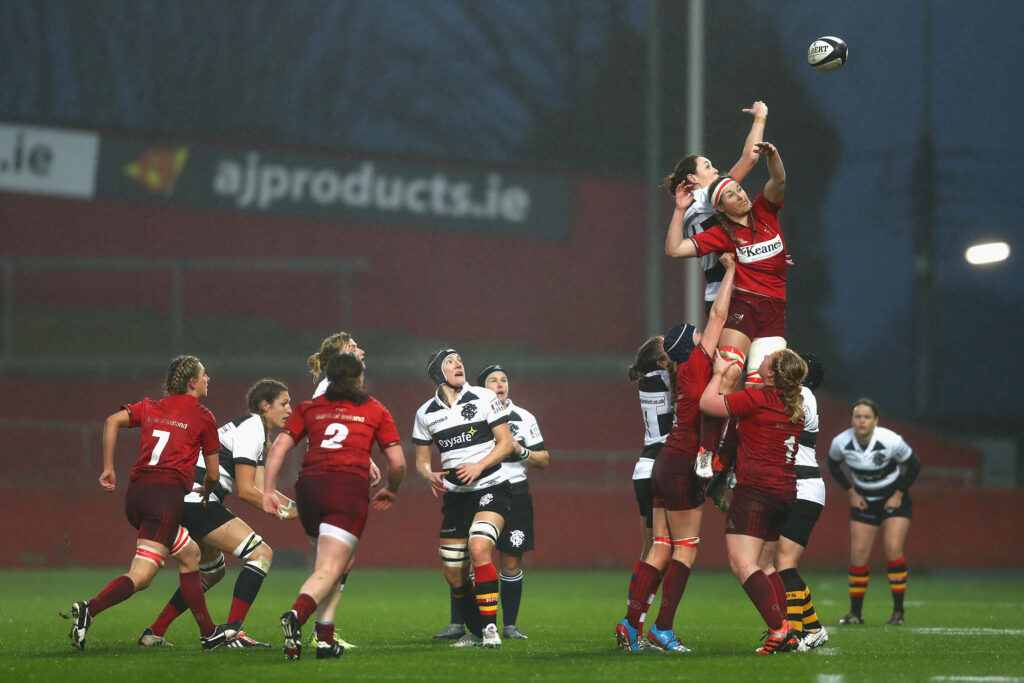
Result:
[262,558]
[509,565]
[483,536]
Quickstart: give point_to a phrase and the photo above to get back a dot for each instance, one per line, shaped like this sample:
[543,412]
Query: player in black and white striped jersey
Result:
[469,426]
[879,498]
[517,536]
[779,560]
[652,371]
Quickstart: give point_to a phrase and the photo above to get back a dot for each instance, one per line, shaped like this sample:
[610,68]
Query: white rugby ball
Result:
[827,53]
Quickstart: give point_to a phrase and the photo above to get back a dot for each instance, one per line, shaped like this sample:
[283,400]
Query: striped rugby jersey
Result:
[700,216]
[526,431]
[462,433]
[807,487]
[241,441]
[875,466]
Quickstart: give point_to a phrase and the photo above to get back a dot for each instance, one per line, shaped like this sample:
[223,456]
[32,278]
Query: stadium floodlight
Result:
[990,252]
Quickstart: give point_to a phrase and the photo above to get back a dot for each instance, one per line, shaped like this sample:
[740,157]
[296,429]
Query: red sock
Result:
[759,590]
[671,593]
[779,588]
[710,433]
[325,632]
[632,580]
[192,589]
[647,580]
[304,606]
[118,590]
[487,593]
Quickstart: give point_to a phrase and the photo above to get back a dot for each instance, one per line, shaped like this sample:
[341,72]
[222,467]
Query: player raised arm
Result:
[775,188]
[747,161]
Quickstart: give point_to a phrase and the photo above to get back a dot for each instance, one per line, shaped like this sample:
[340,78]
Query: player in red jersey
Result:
[751,231]
[769,434]
[173,431]
[339,342]
[332,490]
[677,490]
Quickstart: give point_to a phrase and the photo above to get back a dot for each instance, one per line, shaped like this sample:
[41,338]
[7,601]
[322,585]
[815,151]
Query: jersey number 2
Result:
[336,433]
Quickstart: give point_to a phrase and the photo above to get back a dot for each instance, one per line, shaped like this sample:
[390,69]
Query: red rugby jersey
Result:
[768,441]
[692,378]
[761,254]
[341,434]
[174,429]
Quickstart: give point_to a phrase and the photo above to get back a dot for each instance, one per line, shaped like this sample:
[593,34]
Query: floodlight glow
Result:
[993,252]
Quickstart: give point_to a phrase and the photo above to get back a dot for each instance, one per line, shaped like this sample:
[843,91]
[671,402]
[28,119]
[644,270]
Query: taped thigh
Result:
[484,529]
[349,539]
[248,546]
[454,554]
[180,541]
[144,552]
[759,349]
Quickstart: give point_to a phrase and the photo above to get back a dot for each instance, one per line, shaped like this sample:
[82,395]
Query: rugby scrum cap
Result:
[679,342]
[481,379]
[434,370]
[815,371]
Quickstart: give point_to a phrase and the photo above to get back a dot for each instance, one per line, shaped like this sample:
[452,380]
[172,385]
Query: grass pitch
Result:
[959,627]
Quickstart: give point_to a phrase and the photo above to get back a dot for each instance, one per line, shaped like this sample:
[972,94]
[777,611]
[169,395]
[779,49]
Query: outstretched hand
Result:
[765,149]
[758,108]
[684,196]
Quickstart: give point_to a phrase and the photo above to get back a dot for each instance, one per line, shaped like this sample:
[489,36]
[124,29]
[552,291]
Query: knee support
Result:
[248,546]
[733,356]
[483,529]
[261,563]
[144,552]
[454,555]
[759,349]
[180,541]
[214,565]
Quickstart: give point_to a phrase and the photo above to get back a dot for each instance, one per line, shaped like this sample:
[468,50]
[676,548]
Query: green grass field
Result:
[959,627]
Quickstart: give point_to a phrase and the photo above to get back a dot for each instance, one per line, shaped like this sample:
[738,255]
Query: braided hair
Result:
[180,372]
[789,369]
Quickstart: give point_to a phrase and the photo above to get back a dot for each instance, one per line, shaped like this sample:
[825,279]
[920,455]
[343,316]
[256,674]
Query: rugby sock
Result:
[711,432]
[247,586]
[304,606]
[511,596]
[325,632]
[759,590]
[897,582]
[192,590]
[647,580]
[118,590]
[672,588]
[487,593]
[632,581]
[810,617]
[175,606]
[456,611]
[779,588]
[470,612]
[858,586]
[795,589]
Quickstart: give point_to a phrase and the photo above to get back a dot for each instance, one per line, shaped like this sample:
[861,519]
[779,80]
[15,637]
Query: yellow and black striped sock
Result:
[858,586]
[897,582]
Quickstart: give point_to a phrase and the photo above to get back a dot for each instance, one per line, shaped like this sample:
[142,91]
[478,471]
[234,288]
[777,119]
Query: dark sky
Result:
[878,102]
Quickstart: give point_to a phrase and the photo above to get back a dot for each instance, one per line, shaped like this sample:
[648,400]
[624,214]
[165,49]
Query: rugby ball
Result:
[827,53]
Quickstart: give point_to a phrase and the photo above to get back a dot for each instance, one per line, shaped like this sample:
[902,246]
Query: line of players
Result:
[486,443]
[688,386]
